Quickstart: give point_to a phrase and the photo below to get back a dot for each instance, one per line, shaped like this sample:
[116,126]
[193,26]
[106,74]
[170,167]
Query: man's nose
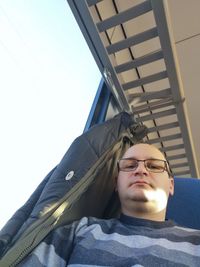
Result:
[141,168]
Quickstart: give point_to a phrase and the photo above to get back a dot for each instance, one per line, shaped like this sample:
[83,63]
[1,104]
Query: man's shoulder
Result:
[186,229]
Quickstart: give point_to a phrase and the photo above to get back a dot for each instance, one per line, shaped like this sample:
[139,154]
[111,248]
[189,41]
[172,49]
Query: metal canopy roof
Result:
[133,44]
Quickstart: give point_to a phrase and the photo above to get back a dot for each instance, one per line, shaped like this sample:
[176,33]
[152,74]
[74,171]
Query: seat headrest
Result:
[184,205]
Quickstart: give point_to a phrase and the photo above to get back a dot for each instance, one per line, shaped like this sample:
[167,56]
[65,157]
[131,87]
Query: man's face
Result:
[140,186]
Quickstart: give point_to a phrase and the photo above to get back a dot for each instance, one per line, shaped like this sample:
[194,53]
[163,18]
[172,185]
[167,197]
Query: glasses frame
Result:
[144,160]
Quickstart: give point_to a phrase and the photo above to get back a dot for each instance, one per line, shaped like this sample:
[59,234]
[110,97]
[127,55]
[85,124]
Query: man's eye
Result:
[153,166]
[131,164]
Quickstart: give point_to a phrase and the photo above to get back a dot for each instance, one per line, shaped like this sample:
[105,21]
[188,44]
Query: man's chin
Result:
[139,195]
[140,187]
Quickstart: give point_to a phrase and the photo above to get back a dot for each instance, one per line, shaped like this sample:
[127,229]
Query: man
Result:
[144,183]
[140,237]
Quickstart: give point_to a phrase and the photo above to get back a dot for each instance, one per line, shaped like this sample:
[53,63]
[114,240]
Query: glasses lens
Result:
[128,164]
[155,165]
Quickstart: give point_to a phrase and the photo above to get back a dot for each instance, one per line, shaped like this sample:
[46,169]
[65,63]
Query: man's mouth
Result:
[140,183]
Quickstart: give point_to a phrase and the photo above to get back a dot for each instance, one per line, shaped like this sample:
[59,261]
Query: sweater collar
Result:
[144,222]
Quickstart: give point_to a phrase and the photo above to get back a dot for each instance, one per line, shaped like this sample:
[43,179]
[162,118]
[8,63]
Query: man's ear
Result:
[171,186]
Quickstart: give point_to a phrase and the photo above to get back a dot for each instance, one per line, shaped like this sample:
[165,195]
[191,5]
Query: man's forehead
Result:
[144,150]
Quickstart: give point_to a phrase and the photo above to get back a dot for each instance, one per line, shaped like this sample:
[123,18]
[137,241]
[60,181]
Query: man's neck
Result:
[157,216]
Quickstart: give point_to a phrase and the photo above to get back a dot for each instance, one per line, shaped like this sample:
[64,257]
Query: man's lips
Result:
[140,182]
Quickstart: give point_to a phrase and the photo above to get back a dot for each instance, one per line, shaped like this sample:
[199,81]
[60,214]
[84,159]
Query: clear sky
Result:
[48,82]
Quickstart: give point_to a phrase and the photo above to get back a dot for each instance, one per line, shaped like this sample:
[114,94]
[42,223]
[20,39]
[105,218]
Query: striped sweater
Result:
[125,241]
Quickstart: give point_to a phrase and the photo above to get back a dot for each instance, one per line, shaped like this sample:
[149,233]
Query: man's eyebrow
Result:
[154,158]
[129,158]
[143,159]
[157,159]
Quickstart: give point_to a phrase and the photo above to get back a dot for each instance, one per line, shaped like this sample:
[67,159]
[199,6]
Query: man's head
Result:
[144,182]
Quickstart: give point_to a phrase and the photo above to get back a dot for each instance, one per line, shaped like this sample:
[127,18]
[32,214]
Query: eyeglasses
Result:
[151,165]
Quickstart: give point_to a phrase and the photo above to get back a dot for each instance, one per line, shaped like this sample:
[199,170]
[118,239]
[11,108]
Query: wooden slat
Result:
[164,138]
[171,148]
[179,165]
[133,40]
[149,79]
[124,16]
[139,61]
[163,127]
[178,156]
[181,173]
[146,96]
[157,115]
[152,106]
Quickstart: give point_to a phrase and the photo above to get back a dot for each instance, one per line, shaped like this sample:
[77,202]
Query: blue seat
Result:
[184,206]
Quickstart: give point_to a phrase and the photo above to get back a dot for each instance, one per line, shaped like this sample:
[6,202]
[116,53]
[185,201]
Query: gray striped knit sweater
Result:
[125,241]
